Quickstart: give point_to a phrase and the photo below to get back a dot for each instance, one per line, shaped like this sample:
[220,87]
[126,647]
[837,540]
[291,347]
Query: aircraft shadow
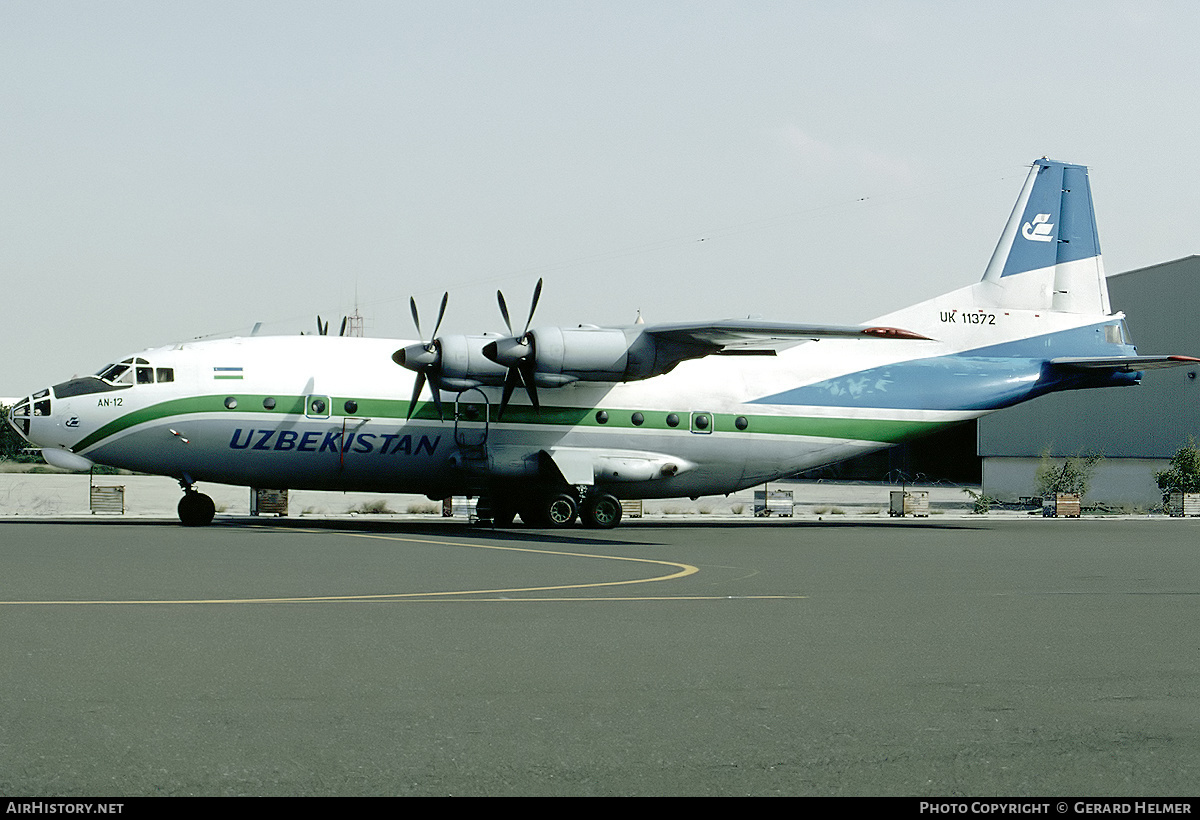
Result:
[462,529]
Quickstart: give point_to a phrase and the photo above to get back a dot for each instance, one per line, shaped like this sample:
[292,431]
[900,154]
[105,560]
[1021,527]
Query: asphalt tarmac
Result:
[884,657]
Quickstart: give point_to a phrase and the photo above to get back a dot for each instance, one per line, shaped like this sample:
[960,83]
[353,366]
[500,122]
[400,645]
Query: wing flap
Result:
[733,334]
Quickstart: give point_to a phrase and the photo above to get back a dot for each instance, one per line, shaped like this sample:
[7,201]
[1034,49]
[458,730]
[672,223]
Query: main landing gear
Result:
[602,512]
[195,509]
[556,510]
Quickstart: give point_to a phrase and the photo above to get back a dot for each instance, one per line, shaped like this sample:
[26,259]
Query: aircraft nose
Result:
[24,412]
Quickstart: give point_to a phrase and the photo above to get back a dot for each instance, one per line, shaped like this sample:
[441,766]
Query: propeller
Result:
[323,327]
[425,358]
[517,353]
[412,303]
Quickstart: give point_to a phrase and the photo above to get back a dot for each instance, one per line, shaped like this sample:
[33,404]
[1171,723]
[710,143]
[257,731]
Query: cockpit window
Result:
[134,371]
[124,373]
[113,372]
[83,386]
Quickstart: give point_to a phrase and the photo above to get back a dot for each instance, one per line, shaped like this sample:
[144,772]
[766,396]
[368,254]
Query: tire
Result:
[602,512]
[196,509]
[559,511]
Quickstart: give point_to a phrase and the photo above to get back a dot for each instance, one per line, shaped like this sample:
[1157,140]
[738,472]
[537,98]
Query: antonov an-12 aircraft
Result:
[559,423]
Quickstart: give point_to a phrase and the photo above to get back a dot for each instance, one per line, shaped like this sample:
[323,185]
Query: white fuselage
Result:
[318,412]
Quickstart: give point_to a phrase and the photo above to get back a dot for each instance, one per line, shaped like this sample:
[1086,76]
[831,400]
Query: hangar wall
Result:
[1136,428]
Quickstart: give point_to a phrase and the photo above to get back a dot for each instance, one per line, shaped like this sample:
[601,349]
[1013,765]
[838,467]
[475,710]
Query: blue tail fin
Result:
[1048,257]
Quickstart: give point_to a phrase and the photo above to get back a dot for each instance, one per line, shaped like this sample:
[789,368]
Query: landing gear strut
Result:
[195,509]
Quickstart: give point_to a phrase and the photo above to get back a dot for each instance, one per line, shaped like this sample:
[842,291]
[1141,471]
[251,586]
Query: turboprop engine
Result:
[561,355]
[455,363]
[544,357]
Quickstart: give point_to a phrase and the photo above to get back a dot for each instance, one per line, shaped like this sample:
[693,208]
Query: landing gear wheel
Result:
[556,510]
[560,510]
[602,512]
[196,509]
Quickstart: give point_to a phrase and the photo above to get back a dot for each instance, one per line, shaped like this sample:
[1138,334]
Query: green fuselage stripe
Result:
[887,431]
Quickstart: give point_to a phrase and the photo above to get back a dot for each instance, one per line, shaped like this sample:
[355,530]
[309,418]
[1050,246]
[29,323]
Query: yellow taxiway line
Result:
[681,571]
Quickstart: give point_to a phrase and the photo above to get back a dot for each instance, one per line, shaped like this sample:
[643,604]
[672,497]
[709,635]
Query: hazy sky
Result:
[170,170]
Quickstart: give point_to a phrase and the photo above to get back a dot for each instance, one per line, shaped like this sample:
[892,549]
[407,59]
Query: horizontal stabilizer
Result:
[1127,364]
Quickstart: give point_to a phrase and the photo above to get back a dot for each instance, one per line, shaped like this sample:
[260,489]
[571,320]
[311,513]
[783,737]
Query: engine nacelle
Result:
[455,363]
[594,354]
[554,356]
[463,364]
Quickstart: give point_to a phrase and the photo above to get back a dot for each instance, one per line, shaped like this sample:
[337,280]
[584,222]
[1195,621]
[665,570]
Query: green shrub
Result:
[1183,476]
[1074,475]
[980,504]
[377,506]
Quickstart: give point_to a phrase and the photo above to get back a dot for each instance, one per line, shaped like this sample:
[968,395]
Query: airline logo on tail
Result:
[1053,224]
[1039,230]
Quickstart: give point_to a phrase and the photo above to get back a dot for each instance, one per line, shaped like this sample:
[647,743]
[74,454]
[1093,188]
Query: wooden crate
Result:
[268,502]
[1061,505]
[1183,504]
[462,506]
[108,499]
[631,508]
[773,502]
[909,502]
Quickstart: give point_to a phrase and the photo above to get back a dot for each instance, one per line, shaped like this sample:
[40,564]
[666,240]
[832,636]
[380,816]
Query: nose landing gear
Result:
[195,509]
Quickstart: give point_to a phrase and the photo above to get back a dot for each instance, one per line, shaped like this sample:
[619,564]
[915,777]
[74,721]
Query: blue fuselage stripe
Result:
[986,378]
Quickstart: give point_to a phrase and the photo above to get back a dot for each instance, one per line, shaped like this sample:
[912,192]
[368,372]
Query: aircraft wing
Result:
[1128,364]
[734,336]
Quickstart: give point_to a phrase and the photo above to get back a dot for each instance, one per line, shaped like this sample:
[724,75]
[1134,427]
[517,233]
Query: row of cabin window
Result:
[702,420]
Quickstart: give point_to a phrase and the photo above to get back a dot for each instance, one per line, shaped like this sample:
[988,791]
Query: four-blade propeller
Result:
[425,358]
[517,353]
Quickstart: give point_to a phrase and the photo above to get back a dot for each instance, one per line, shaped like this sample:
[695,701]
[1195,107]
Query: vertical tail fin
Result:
[1048,257]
